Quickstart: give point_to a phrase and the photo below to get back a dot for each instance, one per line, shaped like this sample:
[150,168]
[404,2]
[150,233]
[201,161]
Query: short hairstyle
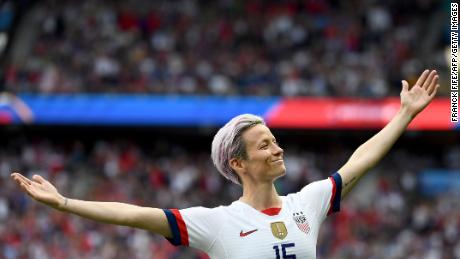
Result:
[228,144]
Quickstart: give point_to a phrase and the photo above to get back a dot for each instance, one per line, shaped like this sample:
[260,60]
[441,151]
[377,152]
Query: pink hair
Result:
[228,144]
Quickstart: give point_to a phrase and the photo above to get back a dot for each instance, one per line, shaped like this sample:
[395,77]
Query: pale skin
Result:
[413,100]
[258,172]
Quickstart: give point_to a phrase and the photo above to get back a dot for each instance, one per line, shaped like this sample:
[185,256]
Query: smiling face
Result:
[264,160]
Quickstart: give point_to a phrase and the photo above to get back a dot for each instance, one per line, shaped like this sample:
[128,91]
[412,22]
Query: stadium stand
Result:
[288,48]
[389,215]
[222,48]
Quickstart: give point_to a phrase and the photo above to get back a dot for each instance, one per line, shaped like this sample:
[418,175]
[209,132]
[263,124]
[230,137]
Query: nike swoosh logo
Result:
[243,234]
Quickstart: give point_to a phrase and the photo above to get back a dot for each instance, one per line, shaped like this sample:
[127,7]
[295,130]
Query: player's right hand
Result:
[39,189]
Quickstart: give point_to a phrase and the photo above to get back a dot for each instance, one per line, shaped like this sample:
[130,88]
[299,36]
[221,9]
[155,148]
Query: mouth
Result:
[278,161]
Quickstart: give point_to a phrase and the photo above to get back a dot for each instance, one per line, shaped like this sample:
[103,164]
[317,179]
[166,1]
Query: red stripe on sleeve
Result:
[182,228]
[333,195]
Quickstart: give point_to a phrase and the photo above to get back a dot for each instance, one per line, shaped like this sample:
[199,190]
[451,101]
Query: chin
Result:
[282,172]
[276,173]
[279,175]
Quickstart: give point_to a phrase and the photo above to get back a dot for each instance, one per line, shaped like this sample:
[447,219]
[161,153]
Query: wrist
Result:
[406,113]
[63,203]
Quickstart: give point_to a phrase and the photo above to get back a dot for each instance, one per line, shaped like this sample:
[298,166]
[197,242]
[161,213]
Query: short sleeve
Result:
[195,227]
[323,196]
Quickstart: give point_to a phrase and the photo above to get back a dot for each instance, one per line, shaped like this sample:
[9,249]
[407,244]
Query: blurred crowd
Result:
[385,217]
[230,47]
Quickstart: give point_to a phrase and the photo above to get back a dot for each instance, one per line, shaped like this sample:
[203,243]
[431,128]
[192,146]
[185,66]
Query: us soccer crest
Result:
[301,221]
[279,230]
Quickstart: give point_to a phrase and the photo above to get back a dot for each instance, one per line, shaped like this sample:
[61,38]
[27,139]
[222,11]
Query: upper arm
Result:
[151,219]
[323,196]
[197,227]
[350,175]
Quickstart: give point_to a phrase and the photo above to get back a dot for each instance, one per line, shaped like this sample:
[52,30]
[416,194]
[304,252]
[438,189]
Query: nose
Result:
[278,151]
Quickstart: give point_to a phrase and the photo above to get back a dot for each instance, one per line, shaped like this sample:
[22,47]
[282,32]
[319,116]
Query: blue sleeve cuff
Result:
[175,240]
[336,193]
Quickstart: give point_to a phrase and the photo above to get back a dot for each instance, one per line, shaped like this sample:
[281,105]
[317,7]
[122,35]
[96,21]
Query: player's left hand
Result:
[414,99]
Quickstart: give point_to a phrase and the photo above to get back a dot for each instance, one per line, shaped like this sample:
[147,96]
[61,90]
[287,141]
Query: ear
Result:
[237,165]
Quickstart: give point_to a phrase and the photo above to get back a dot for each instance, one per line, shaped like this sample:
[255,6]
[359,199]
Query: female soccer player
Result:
[261,224]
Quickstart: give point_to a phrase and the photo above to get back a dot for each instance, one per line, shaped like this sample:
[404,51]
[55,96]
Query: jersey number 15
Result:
[284,251]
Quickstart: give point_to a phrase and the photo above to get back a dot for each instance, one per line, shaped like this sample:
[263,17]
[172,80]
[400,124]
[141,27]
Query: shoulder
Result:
[318,186]
[311,189]
[324,195]
[330,185]
[194,226]
[204,211]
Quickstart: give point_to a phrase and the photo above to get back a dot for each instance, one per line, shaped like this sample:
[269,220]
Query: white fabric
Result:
[217,231]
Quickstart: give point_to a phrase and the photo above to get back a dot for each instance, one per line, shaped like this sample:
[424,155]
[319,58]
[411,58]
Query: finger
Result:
[15,174]
[36,185]
[27,189]
[433,94]
[422,77]
[429,80]
[20,181]
[405,86]
[23,179]
[38,178]
[433,85]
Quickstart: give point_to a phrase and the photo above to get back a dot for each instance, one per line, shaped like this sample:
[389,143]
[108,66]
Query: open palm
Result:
[417,97]
[39,189]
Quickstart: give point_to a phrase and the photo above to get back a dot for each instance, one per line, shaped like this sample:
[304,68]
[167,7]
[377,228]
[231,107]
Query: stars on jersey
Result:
[301,221]
[240,231]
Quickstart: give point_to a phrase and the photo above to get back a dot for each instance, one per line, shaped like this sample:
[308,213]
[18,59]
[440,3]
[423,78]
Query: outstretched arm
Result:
[151,219]
[413,100]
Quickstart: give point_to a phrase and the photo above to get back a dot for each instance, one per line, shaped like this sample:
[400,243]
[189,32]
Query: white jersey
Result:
[240,231]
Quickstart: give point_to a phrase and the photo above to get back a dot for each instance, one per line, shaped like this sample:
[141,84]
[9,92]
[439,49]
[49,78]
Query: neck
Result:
[261,196]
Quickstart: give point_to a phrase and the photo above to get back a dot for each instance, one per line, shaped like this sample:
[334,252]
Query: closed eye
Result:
[266,143]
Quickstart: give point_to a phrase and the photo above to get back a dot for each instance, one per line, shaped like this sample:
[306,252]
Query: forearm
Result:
[124,214]
[373,150]
[107,212]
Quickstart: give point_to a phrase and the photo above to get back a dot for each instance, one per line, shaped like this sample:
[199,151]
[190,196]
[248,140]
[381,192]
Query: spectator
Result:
[288,48]
[389,219]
